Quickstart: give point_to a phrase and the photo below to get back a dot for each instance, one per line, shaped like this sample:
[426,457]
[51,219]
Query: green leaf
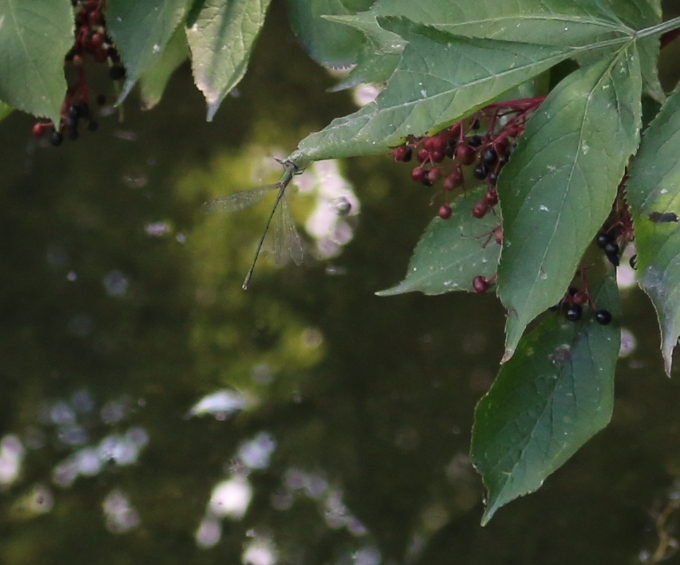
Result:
[5,110]
[654,188]
[546,402]
[327,42]
[35,37]
[154,80]
[560,183]
[547,22]
[369,69]
[441,78]
[141,31]
[221,38]
[452,252]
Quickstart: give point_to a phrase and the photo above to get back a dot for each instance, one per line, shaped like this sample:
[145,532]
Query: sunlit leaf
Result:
[328,43]
[546,402]
[451,253]
[441,78]
[652,190]
[549,22]
[221,37]
[35,36]
[154,81]
[559,186]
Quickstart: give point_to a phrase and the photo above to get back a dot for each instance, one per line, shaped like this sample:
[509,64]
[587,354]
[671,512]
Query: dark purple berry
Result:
[613,258]
[56,138]
[603,317]
[474,141]
[633,262]
[574,313]
[480,171]
[603,239]
[489,156]
[611,248]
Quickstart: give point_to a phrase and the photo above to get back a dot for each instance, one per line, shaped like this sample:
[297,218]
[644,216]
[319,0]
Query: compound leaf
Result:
[653,194]
[546,402]
[558,188]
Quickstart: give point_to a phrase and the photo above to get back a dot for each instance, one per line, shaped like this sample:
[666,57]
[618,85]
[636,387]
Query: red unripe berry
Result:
[480,284]
[77,60]
[428,143]
[423,155]
[438,156]
[581,297]
[97,39]
[39,129]
[433,175]
[465,154]
[491,197]
[439,143]
[498,235]
[418,174]
[453,180]
[445,212]
[480,209]
[402,153]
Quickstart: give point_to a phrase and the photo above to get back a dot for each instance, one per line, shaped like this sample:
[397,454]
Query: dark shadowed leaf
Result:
[546,402]
[154,81]
[559,186]
[327,42]
[653,193]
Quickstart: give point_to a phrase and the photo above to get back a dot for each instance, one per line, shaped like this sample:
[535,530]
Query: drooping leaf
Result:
[451,253]
[327,42]
[653,189]
[35,37]
[546,402]
[440,79]
[141,31]
[154,80]
[221,37]
[560,183]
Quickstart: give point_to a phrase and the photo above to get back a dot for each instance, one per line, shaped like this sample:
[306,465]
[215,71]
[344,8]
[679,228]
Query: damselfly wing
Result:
[286,240]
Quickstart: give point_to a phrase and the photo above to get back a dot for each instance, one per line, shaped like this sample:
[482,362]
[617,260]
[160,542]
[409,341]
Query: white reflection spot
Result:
[231,498]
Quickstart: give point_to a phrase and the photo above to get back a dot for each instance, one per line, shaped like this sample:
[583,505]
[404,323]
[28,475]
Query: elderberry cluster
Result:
[92,42]
[462,150]
[574,300]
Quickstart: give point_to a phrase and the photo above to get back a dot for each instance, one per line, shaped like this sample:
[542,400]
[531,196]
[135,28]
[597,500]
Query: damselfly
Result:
[287,242]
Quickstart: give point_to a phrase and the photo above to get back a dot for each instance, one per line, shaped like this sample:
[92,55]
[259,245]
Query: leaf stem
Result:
[659,29]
